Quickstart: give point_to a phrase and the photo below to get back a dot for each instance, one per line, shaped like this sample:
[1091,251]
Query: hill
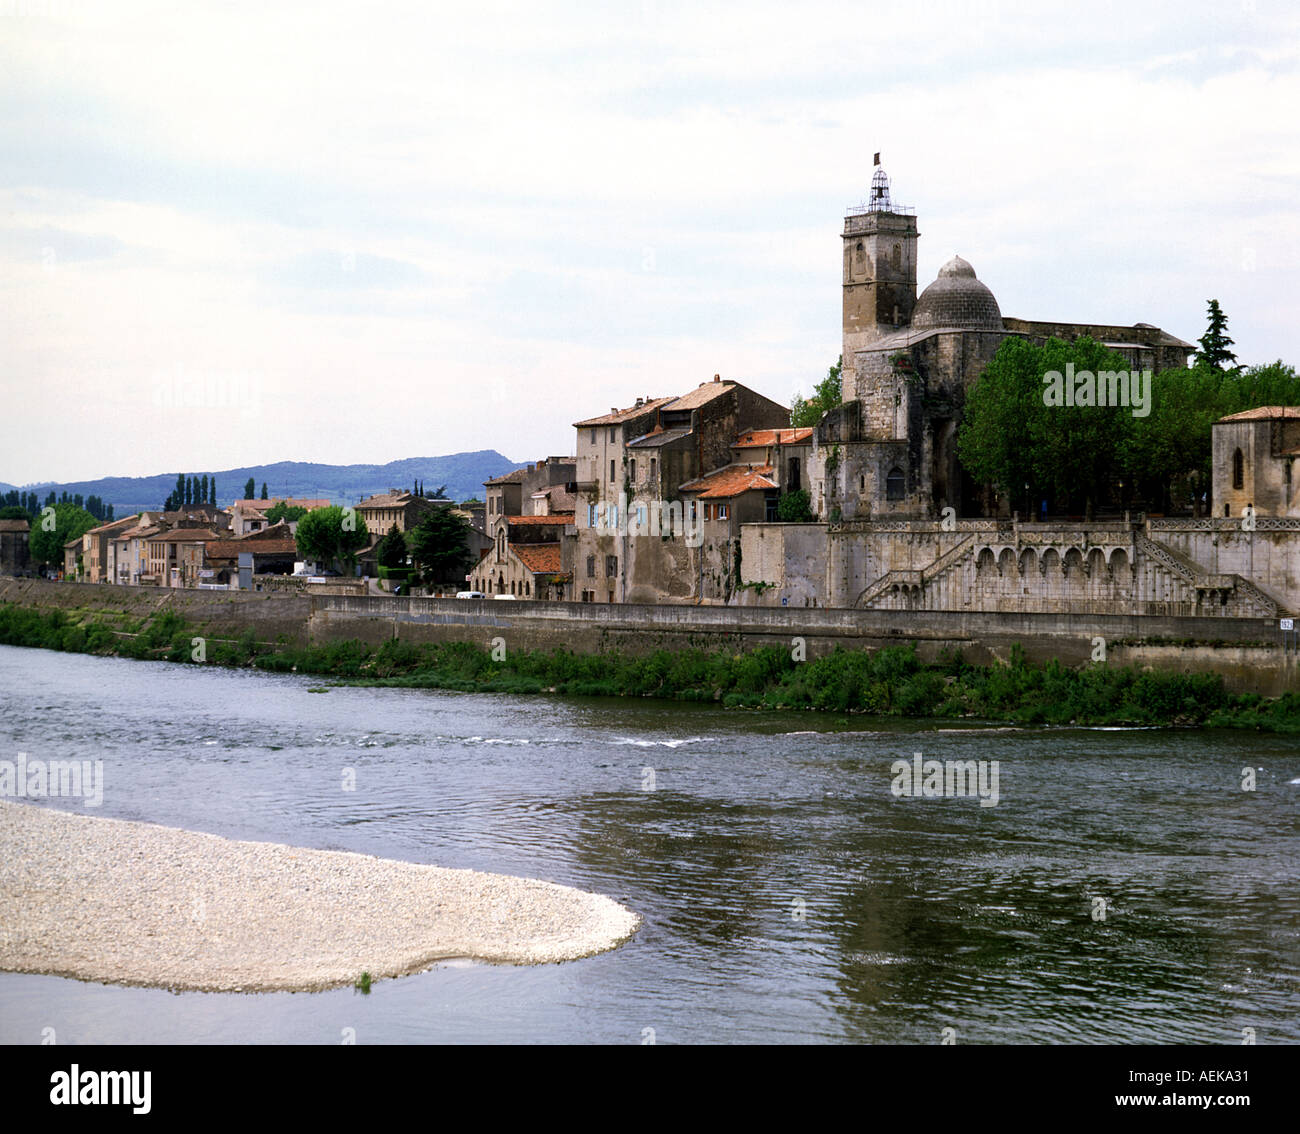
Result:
[462,473]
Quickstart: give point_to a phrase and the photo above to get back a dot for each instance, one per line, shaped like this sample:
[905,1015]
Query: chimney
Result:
[638,403]
[717,377]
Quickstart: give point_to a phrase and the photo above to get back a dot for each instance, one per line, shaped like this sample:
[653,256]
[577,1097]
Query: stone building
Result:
[884,466]
[890,449]
[14,556]
[526,558]
[632,464]
[1257,462]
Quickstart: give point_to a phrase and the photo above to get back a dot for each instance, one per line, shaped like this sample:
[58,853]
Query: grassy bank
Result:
[888,682]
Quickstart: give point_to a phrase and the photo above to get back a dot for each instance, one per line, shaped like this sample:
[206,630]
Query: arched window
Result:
[894,484]
[1238,470]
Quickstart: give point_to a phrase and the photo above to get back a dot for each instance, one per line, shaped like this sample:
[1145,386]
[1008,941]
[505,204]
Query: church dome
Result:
[957,299]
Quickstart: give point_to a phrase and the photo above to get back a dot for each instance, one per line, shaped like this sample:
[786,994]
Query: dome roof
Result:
[957,299]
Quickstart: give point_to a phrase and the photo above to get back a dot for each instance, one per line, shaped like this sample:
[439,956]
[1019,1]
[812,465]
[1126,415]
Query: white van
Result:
[470,594]
[510,597]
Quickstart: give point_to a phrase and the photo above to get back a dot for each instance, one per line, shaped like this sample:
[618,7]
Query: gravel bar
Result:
[134,903]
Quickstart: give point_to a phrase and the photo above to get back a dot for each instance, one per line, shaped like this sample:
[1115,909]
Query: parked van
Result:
[511,597]
[470,594]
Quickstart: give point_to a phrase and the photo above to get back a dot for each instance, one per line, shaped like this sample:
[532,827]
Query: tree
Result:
[826,396]
[264,496]
[1215,342]
[189,491]
[332,535]
[14,512]
[392,549]
[1010,435]
[51,531]
[439,545]
[793,507]
[212,491]
[203,489]
[440,493]
[250,488]
[285,511]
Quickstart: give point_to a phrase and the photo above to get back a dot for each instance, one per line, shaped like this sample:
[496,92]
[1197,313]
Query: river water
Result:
[1124,889]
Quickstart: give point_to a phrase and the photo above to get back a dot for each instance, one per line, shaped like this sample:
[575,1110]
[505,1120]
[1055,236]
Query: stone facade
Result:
[1257,462]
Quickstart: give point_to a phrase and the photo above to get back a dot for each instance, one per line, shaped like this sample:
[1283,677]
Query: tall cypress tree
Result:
[1215,342]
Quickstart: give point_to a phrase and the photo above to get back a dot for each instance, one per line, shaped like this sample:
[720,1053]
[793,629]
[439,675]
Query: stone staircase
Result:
[922,578]
[1200,581]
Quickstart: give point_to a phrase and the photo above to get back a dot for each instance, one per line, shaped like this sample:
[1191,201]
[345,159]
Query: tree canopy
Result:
[826,396]
[52,530]
[1215,342]
[439,545]
[391,551]
[285,511]
[332,535]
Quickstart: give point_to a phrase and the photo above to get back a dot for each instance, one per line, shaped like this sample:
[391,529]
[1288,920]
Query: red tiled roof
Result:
[1263,413]
[730,481]
[539,558]
[525,521]
[512,477]
[618,416]
[14,526]
[230,548]
[756,437]
[183,535]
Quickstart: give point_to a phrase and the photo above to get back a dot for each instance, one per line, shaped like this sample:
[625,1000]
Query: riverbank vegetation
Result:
[893,682]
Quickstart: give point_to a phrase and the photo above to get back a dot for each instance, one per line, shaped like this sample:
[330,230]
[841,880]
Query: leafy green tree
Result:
[793,507]
[439,545]
[1215,342]
[826,396]
[285,511]
[51,532]
[14,511]
[1011,437]
[332,535]
[391,551]
[250,489]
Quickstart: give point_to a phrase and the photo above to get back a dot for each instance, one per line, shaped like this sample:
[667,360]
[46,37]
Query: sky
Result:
[234,233]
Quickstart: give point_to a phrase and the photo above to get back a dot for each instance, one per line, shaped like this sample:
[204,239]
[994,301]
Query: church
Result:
[891,448]
[901,525]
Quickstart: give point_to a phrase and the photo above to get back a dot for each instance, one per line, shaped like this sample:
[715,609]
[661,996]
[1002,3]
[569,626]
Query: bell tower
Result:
[879,268]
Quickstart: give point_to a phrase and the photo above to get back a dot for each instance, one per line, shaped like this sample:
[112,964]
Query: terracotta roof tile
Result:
[14,526]
[512,477]
[617,417]
[733,480]
[1263,413]
[540,521]
[539,558]
[756,437]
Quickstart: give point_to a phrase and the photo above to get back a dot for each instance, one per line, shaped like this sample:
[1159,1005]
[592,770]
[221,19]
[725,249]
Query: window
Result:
[591,515]
[611,517]
[707,509]
[611,436]
[694,510]
[792,476]
[593,436]
[632,469]
[722,511]
[611,566]
[770,509]
[1238,470]
[611,468]
[652,469]
[640,516]
[591,567]
[894,484]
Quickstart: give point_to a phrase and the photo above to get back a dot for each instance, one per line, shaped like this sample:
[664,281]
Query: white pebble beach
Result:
[134,903]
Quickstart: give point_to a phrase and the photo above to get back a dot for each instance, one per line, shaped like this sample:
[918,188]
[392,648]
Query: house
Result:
[404,510]
[631,464]
[175,556]
[248,516]
[95,544]
[526,559]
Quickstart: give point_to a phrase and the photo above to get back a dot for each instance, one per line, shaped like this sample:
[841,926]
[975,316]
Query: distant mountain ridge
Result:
[462,473]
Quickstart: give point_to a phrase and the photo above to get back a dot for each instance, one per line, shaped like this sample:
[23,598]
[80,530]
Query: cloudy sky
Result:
[246,232]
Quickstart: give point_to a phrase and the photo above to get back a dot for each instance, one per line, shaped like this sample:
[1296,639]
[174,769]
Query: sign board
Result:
[1288,624]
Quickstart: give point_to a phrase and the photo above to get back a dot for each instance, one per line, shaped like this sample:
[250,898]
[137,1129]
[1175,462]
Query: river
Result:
[1124,889]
